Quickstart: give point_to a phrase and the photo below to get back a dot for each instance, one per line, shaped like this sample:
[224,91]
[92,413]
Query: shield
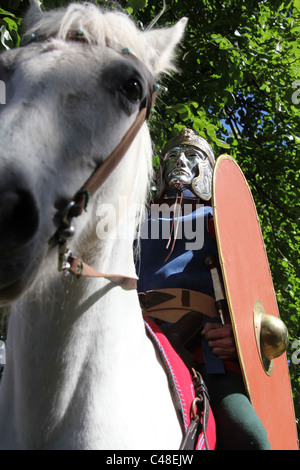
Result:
[252,303]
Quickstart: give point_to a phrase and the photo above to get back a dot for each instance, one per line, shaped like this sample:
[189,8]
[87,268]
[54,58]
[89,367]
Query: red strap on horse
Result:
[187,388]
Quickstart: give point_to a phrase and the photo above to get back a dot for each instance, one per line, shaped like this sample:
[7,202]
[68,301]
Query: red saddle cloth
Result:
[182,384]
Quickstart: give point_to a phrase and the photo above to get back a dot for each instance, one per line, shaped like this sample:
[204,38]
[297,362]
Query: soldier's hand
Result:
[220,338]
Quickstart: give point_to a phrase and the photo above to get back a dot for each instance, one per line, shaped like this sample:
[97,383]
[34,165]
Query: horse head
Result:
[73,90]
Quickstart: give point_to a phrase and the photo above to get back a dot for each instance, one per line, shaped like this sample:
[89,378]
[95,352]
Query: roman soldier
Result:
[176,288]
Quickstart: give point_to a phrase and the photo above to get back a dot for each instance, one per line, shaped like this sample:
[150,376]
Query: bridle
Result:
[74,208]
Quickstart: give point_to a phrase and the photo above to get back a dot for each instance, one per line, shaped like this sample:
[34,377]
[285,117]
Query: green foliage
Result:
[137,5]
[9,30]
[239,87]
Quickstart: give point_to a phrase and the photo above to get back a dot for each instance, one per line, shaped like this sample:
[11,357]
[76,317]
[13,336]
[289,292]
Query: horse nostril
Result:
[18,218]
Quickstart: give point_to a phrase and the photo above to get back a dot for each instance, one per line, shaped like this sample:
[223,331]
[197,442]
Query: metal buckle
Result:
[63,257]
[65,232]
[66,220]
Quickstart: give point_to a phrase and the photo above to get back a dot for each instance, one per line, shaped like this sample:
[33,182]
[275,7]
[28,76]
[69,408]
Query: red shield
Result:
[250,293]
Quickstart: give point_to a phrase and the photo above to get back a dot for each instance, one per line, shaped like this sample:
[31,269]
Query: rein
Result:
[75,207]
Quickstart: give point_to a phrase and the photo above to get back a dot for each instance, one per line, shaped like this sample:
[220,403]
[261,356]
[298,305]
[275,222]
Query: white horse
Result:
[81,372]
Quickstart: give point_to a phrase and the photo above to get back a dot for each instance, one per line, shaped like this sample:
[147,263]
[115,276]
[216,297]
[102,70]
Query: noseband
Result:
[66,261]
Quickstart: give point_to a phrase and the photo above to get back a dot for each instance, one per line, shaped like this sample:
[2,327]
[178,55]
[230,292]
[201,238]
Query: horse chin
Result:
[17,271]
[10,293]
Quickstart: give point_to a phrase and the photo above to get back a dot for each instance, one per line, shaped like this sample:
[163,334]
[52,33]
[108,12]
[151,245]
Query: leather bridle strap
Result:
[78,267]
[102,173]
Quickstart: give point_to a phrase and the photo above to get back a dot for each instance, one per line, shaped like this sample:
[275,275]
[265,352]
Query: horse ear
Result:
[35,4]
[34,14]
[162,44]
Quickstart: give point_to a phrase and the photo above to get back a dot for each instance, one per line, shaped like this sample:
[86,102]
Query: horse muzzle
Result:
[19,223]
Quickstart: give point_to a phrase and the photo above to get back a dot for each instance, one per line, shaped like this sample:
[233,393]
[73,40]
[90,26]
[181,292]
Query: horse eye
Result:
[133,90]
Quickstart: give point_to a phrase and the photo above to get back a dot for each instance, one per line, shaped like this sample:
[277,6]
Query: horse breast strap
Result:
[75,207]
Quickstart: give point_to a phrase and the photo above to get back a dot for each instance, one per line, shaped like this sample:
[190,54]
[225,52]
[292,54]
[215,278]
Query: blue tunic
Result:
[185,267]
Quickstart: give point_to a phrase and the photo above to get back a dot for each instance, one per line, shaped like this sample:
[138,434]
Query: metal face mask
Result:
[181,165]
[188,160]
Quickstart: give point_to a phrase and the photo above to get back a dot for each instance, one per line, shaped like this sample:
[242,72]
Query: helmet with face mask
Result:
[201,184]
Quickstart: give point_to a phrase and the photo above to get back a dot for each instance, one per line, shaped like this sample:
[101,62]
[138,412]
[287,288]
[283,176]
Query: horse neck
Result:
[70,341]
[79,364]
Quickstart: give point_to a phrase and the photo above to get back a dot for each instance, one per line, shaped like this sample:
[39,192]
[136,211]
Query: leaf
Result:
[137,5]
[11,24]
[297,5]
[5,38]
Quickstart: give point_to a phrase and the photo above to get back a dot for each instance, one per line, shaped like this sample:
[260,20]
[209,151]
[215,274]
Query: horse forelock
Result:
[99,27]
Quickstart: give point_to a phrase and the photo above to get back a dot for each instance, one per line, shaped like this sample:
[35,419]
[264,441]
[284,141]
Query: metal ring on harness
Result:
[194,406]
